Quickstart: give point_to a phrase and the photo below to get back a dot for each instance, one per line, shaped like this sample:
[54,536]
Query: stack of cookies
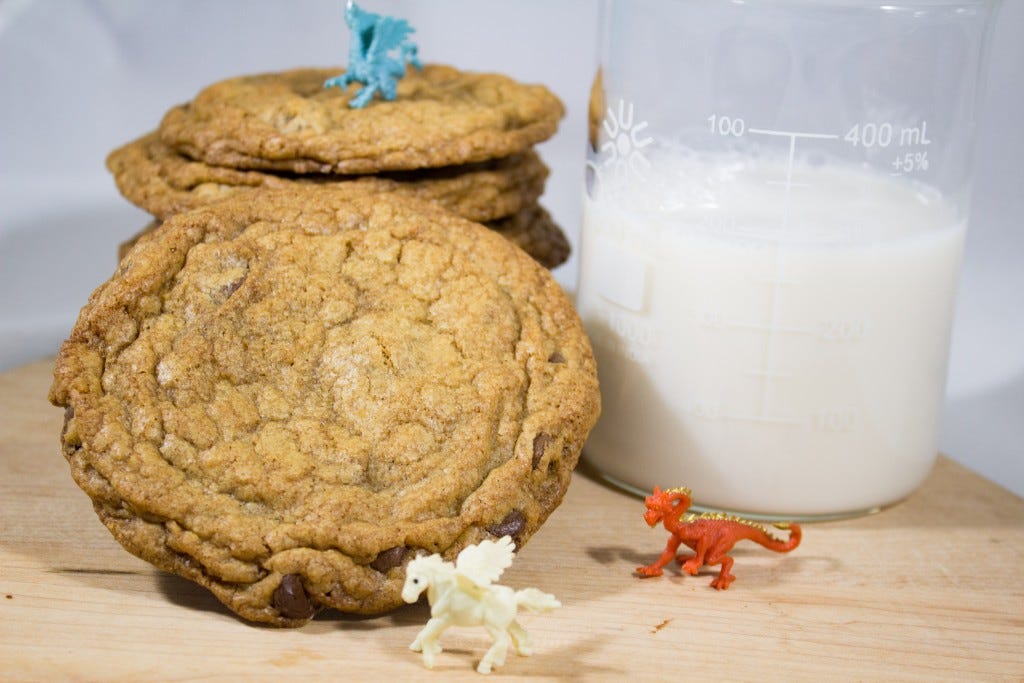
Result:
[314,369]
[462,140]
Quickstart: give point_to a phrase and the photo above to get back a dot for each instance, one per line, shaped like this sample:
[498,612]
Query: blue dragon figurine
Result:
[373,37]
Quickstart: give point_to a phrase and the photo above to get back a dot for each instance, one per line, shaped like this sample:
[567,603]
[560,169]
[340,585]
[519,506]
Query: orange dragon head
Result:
[670,502]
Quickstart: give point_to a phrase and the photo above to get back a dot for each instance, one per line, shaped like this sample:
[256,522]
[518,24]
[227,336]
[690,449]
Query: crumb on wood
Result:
[662,625]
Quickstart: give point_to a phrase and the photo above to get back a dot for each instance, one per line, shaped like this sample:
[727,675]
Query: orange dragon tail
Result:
[782,546]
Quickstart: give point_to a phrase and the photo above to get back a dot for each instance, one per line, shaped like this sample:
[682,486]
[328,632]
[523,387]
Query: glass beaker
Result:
[777,195]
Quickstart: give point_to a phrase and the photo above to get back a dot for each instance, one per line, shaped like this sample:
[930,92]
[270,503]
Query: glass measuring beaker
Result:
[776,202]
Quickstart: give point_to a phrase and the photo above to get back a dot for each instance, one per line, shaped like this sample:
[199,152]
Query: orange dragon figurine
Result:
[709,535]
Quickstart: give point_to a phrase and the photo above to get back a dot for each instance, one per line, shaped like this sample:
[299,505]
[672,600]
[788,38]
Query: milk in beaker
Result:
[774,336]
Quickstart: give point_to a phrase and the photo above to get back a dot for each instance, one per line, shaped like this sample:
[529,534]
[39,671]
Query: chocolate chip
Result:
[231,287]
[540,444]
[291,600]
[69,414]
[556,357]
[73,441]
[512,525]
[388,559]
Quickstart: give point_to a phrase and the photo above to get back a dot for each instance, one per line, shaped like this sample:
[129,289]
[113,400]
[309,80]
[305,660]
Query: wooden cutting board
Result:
[928,590]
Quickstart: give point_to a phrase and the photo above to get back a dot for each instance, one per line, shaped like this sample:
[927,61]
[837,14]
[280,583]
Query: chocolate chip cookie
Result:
[289,121]
[286,395]
[163,182]
[534,231]
[531,229]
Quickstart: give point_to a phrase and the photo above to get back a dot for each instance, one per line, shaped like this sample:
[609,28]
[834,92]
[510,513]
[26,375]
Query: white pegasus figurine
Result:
[463,594]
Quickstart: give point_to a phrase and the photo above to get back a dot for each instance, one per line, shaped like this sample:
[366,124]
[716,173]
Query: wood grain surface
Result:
[928,590]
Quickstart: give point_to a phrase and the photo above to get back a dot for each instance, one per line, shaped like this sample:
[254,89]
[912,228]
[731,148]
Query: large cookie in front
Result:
[284,397]
[289,121]
[163,182]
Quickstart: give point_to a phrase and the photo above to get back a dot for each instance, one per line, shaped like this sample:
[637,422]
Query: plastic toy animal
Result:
[463,594]
[709,535]
[373,37]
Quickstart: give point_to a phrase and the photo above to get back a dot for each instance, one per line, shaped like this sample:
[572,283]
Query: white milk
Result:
[776,342]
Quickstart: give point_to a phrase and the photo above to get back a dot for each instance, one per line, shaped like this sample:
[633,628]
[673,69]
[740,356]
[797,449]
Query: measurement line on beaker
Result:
[736,127]
[763,419]
[777,281]
[793,134]
[762,327]
[773,323]
[788,183]
[711,412]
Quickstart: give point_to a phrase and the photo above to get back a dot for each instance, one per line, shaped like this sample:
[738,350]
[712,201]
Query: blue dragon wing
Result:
[390,34]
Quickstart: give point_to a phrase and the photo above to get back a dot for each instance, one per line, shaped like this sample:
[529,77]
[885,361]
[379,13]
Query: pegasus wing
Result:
[470,587]
[484,563]
[389,34]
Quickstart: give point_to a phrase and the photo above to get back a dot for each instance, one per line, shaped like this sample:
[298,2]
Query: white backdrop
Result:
[79,77]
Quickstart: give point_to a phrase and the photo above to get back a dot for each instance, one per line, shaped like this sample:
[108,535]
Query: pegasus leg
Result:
[666,557]
[520,638]
[495,656]
[428,640]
